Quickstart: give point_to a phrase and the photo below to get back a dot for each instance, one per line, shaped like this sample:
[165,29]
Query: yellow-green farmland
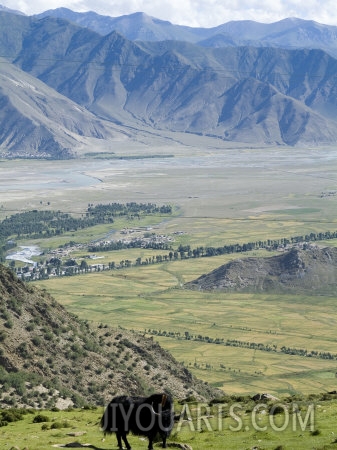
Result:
[201,328]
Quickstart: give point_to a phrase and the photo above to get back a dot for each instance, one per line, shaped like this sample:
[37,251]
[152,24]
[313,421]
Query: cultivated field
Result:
[221,195]
[151,300]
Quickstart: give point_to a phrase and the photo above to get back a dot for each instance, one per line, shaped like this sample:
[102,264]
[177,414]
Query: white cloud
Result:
[204,13]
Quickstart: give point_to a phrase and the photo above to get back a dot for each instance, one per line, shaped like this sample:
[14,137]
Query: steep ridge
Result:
[312,270]
[44,349]
[35,120]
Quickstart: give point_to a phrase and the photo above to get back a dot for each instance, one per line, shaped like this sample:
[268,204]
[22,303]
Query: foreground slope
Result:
[44,349]
[313,271]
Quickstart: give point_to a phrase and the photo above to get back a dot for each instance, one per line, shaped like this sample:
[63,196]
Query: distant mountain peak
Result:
[14,11]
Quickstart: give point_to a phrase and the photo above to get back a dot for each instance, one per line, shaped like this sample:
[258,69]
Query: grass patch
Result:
[233,424]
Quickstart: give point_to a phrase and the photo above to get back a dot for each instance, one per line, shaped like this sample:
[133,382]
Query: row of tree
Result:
[244,344]
[185,251]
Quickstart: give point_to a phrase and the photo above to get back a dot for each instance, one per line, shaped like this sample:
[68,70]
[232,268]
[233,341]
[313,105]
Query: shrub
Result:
[63,424]
[23,350]
[3,335]
[40,418]
[9,324]
[276,409]
[30,327]
[11,415]
[315,433]
[37,341]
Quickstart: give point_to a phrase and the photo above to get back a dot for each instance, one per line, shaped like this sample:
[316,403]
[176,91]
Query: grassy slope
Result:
[249,429]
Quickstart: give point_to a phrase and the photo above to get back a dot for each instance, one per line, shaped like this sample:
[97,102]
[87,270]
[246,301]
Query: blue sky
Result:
[195,13]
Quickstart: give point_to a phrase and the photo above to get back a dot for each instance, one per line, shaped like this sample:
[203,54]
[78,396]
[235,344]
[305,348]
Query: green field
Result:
[220,195]
[235,425]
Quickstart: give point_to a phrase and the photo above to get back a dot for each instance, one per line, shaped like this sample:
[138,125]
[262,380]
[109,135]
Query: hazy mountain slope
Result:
[36,120]
[14,11]
[271,117]
[312,271]
[100,83]
[54,47]
[12,30]
[287,33]
[136,26]
[42,344]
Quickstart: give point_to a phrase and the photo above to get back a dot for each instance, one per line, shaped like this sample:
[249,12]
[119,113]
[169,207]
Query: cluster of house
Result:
[58,262]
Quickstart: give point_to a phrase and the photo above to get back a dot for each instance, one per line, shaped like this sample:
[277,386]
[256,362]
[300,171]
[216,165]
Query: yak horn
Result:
[154,412]
[163,401]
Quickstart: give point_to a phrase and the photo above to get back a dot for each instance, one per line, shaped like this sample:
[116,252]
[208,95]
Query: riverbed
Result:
[25,254]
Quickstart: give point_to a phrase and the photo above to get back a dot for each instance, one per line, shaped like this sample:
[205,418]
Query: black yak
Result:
[144,416]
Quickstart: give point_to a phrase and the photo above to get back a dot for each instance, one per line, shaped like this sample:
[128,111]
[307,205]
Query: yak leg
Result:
[119,441]
[163,436]
[121,436]
[128,446]
[150,437]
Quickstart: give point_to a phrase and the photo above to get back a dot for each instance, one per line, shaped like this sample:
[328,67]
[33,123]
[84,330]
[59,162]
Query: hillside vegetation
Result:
[49,357]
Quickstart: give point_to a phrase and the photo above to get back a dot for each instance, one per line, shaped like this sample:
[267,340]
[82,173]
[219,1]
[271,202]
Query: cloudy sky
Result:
[202,13]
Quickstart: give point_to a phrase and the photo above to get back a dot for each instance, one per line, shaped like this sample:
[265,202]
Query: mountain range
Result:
[248,82]
[288,33]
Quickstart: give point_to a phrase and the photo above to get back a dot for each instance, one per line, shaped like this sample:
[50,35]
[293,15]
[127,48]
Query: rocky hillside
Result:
[49,357]
[310,270]
[51,125]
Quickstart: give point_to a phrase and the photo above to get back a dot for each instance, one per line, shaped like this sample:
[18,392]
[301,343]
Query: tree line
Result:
[244,344]
[185,251]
